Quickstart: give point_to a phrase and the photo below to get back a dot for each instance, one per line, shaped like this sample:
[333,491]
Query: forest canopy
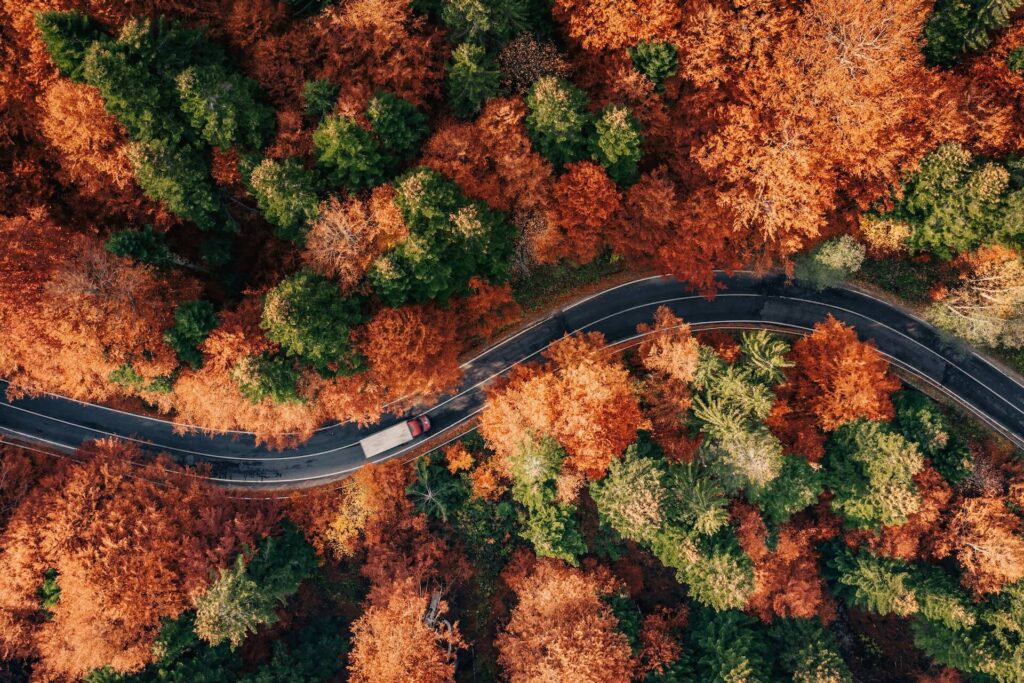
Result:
[246,166]
[747,507]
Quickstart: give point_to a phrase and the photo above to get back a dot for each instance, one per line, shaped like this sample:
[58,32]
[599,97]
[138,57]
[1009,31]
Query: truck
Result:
[394,436]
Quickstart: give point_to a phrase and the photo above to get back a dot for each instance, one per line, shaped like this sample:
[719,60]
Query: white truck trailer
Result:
[393,436]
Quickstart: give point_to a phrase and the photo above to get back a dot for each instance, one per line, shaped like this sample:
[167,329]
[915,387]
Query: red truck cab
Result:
[419,425]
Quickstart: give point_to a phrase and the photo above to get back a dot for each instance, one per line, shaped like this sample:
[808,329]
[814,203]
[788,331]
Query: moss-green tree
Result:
[808,652]
[728,646]
[957,27]
[306,314]
[920,420]
[400,128]
[286,193]
[223,107]
[557,121]
[616,144]
[472,78]
[358,157]
[263,376]
[145,246]
[880,585]
[631,497]
[954,203]
[247,594]
[870,471]
[319,97]
[67,36]
[657,61]
[993,648]
[492,22]
[551,527]
[763,357]
[695,501]
[349,151]
[179,176]
[797,487]
[716,571]
[831,263]
[232,607]
[193,322]
[451,239]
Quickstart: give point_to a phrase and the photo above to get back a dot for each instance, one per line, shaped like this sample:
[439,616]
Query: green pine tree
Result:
[657,61]
[307,315]
[193,322]
[472,79]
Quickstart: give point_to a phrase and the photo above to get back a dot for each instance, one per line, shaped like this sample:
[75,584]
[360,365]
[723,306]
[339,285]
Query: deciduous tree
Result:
[584,200]
[988,542]
[839,378]
[128,552]
[566,401]
[412,350]
[348,235]
[391,643]
[610,25]
[561,629]
[988,306]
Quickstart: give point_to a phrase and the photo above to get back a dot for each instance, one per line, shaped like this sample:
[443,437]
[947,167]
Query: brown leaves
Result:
[412,350]
[615,24]
[561,630]
[786,578]
[988,542]
[349,234]
[129,552]
[584,399]
[492,159]
[839,378]
[584,200]
[392,644]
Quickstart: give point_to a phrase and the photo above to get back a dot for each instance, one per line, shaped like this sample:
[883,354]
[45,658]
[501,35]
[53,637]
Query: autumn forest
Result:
[271,215]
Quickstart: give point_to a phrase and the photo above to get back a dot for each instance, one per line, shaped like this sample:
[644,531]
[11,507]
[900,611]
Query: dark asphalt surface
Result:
[333,451]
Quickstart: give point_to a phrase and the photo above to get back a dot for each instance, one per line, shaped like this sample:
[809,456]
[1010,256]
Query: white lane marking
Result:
[718,324]
[909,313]
[500,372]
[177,449]
[335,425]
[268,459]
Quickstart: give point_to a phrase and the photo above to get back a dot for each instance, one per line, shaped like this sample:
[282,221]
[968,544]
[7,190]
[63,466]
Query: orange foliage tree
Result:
[561,630]
[129,552]
[669,353]
[584,201]
[787,582]
[791,103]
[72,312]
[679,233]
[584,399]
[614,24]
[838,378]
[492,159]
[412,350]
[486,310]
[669,347]
[387,46]
[988,542]
[391,643]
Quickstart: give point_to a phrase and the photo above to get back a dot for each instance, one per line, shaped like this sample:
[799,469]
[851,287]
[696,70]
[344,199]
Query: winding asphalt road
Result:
[911,345]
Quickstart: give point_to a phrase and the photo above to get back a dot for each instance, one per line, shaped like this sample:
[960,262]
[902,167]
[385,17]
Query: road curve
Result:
[912,345]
